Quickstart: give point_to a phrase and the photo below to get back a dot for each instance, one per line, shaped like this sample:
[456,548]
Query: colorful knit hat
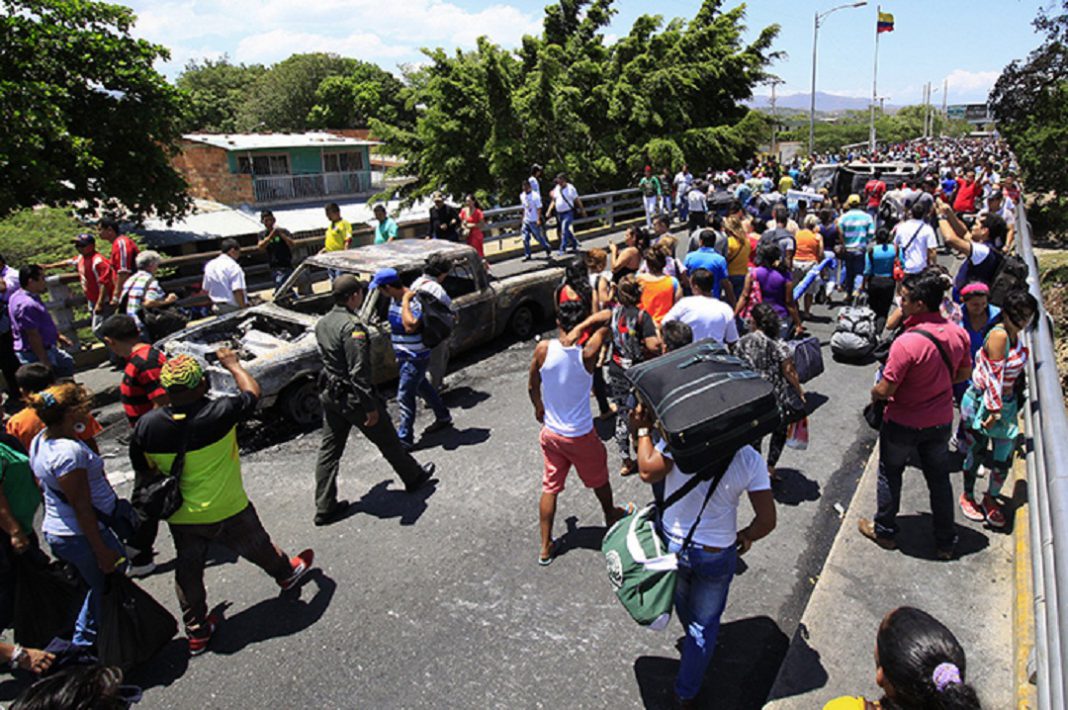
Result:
[181,372]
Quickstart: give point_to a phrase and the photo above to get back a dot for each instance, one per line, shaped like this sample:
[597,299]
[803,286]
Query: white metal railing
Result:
[286,188]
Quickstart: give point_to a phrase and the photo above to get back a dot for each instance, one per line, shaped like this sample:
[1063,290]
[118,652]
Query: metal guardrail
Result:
[1047,475]
[604,211]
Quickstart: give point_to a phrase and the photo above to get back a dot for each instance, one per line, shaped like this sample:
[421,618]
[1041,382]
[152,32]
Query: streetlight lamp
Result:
[815,38]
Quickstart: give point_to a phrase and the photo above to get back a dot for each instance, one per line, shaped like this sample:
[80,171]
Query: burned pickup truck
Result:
[276,341]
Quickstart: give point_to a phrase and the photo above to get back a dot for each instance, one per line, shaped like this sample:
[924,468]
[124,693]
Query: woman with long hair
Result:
[472,223]
[879,281]
[775,285]
[989,407]
[628,260]
[659,291]
[919,664]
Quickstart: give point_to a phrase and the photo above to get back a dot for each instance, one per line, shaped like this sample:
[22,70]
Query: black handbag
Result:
[48,597]
[156,496]
[133,626]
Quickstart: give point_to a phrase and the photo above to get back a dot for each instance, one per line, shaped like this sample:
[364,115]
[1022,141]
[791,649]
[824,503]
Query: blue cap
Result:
[385,276]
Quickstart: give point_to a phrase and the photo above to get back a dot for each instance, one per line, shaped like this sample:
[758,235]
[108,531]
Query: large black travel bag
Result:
[707,403]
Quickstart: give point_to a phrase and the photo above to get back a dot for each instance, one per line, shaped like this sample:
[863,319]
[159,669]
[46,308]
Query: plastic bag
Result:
[797,435]
[133,626]
[48,597]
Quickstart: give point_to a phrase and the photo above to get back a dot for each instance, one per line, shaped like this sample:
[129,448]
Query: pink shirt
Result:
[924,396]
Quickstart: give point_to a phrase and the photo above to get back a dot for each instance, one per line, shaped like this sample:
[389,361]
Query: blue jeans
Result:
[533,229]
[703,580]
[897,444]
[60,360]
[564,220]
[854,267]
[413,382]
[684,209]
[279,274]
[75,549]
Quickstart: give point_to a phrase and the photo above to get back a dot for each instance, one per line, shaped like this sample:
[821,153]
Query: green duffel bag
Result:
[640,567]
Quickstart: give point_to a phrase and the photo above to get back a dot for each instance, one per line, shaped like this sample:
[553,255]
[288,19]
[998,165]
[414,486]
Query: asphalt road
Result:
[436,600]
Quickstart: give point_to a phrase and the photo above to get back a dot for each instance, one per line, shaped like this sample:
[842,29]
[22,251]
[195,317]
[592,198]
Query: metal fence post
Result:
[609,204]
[59,305]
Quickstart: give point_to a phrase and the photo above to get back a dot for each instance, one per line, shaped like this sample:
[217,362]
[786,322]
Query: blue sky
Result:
[966,41]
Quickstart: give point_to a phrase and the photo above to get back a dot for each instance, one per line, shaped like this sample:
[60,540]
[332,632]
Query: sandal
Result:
[621,513]
[546,561]
[629,468]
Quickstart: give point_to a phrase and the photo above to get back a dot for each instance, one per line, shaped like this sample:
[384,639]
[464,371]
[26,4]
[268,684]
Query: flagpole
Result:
[874,81]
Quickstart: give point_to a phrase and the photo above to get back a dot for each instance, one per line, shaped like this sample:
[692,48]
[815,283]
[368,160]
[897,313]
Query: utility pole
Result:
[945,109]
[874,85]
[774,81]
[812,98]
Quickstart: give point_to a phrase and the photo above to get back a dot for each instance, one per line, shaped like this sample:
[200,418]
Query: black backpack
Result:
[1011,275]
[438,319]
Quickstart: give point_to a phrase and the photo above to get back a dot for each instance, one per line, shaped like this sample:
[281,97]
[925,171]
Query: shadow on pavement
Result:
[587,537]
[915,538]
[282,615]
[165,668]
[804,672]
[384,502]
[743,668]
[217,555]
[452,439]
[464,397]
[794,488]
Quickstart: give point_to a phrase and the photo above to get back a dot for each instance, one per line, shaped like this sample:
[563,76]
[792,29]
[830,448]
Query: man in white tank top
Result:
[561,375]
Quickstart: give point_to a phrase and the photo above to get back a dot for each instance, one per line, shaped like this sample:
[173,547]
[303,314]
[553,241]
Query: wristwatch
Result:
[16,656]
[642,432]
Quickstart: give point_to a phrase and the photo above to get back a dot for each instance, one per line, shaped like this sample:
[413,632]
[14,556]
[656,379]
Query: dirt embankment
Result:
[1054,267]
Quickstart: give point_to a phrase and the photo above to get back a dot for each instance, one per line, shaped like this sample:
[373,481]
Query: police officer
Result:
[349,398]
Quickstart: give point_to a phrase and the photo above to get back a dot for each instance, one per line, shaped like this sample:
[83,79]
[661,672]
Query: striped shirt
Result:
[139,288]
[140,381]
[406,346]
[857,229]
[997,378]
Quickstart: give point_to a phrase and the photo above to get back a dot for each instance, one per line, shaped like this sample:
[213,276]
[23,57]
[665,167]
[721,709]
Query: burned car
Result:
[276,341]
[844,179]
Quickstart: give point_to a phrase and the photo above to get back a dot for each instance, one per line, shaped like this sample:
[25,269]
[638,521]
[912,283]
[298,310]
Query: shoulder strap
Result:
[941,350]
[178,465]
[922,225]
[720,470]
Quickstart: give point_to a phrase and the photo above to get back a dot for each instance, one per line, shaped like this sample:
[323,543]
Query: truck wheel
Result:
[300,403]
[521,324]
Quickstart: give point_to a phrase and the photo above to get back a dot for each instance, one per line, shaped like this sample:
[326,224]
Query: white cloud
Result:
[270,30]
[971,84]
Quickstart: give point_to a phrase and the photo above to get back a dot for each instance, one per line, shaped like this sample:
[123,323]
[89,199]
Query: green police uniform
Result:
[348,396]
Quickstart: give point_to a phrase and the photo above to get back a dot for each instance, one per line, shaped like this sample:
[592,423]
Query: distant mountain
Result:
[829,103]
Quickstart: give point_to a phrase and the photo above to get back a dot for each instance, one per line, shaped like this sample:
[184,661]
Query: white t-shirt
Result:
[707,317]
[914,258]
[531,202]
[696,201]
[747,473]
[223,276]
[564,198]
[980,252]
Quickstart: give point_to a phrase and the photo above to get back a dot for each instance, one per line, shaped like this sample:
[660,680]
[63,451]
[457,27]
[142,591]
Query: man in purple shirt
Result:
[9,283]
[36,338]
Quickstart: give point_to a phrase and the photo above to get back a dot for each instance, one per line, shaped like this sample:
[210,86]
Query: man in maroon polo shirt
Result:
[924,362]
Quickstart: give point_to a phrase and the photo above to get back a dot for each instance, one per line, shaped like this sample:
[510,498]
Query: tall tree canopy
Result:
[664,93]
[282,98]
[1030,103]
[215,91]
[84,117]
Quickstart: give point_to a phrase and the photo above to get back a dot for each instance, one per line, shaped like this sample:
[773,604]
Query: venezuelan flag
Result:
[886,23]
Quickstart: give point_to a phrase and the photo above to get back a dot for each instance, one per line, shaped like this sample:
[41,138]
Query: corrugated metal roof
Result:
[277,141]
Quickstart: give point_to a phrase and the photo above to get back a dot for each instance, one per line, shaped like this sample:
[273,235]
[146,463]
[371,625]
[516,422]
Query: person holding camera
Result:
[707,565]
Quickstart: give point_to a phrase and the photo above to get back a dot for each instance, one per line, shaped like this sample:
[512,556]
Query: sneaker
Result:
[995,517]
[302,564]
[200,638]
[438,425]
[867,529]
[971,510]
[134,571]
[428,473]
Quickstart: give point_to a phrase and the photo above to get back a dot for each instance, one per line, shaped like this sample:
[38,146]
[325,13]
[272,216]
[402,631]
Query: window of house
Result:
[263,164]
[342,162]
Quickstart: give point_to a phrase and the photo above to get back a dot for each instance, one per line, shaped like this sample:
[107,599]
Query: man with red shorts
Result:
[561,375]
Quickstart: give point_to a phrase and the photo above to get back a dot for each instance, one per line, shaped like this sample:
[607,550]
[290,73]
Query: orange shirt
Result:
[26,424]
[658,296]
[808,246]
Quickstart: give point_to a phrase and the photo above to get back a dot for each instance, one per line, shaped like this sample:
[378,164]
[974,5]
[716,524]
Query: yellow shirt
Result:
[847,702]
[337,234]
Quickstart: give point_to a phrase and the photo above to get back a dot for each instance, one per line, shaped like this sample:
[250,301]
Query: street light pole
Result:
[812,97]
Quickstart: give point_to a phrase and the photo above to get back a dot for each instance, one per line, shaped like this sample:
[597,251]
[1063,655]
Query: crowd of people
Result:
[759,241]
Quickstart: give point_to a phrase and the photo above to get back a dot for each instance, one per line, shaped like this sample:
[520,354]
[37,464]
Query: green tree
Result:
[283,97]
[1030,103]
[351,100]
[84,116]
[664,93]
[215,90]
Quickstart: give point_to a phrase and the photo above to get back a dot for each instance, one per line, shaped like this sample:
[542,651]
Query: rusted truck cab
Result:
[276,341]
